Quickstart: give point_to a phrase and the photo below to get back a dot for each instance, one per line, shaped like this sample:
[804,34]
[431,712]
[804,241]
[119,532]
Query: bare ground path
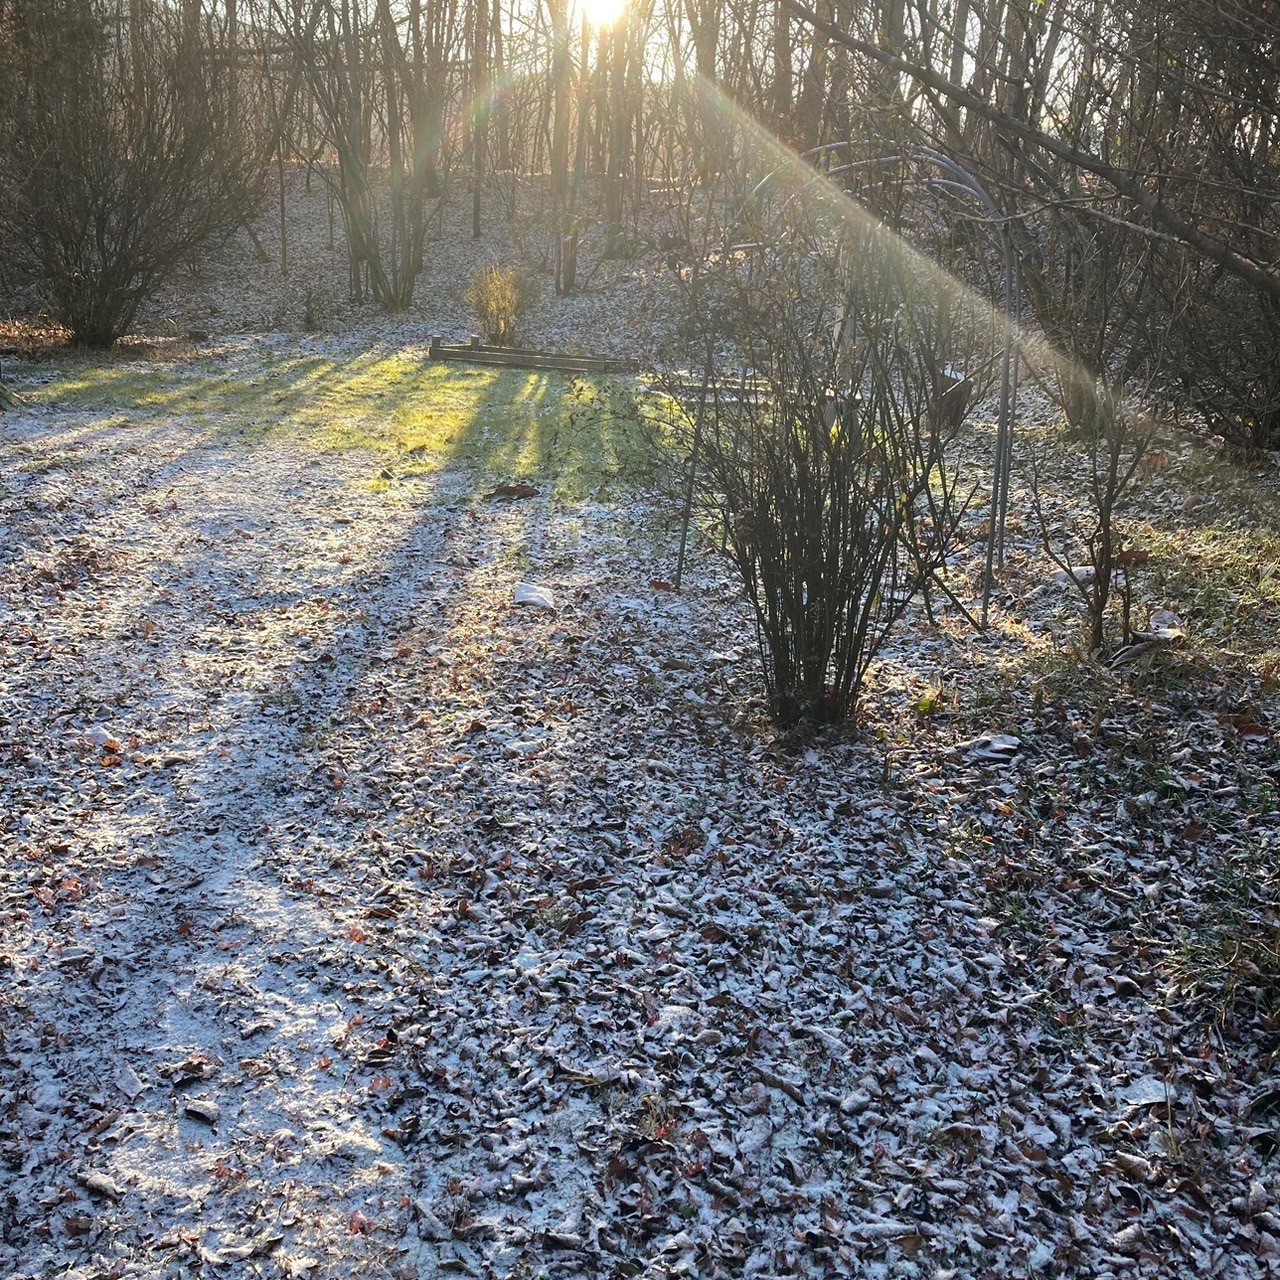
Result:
[180,609]
[358,922]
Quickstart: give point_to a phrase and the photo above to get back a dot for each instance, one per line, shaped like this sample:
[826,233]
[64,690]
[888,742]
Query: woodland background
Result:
[1131,147]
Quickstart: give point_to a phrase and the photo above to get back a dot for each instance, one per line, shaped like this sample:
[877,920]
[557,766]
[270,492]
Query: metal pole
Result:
[693,467]
[1002,463]
[1013,395]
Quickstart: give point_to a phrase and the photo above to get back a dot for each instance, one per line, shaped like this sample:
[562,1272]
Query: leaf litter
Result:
[358,920]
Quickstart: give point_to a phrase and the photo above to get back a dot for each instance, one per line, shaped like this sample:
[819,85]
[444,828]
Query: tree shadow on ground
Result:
[413,416]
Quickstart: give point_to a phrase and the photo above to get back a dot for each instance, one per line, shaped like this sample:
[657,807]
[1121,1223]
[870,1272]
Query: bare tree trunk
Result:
[501,112]
[560,88]
[703,18]
[619,135]
[136,54]
[400,197]
[570,279]
[480,109]
[813,84]
[783,77]
[284,225]
[233,63]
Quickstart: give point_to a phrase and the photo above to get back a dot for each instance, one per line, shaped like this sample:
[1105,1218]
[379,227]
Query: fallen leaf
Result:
[100,1184]
[1129,1240]
[203,1109]
[1133,1166]
[1132,555]
[128,1082]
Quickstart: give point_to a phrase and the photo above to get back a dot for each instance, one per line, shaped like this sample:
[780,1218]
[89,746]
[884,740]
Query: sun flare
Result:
[602,13]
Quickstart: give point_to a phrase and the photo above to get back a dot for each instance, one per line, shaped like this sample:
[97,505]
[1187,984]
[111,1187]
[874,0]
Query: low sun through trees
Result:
[1133,148]
[1125,161]
[1126,158]
[639,638]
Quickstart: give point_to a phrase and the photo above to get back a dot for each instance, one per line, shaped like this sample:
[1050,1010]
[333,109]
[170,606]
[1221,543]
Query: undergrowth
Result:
[1228,961]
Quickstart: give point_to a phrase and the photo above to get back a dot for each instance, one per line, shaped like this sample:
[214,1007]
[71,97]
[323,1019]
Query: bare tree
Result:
[379,92]
[122,158]
[1034,142]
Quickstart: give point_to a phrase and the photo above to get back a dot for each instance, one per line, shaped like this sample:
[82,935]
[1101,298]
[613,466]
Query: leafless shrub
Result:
[1225,364]
[824,458]
[1091,552]
[1109,308]
[122,158]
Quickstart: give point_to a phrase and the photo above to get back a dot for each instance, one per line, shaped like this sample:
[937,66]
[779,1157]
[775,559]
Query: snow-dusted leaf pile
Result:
[362,914]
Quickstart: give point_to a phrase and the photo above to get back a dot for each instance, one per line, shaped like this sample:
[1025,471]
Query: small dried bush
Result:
[498,297]
[1091,549]
[317,311]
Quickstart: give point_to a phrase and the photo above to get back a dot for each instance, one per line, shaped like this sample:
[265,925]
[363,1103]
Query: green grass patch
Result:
[1218,564]
[580,437]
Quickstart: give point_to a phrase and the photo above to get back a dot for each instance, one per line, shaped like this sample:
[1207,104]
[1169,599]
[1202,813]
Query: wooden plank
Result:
[685,390]
[548,364]
[527,359]
[476,352]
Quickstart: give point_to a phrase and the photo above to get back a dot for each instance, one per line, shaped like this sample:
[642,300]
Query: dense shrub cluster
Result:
[122,159]
[821,448]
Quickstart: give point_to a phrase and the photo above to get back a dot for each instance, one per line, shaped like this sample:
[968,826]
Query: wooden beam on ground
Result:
[475,352]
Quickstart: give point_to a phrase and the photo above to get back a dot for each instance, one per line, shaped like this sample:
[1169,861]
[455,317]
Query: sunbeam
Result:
[801,182]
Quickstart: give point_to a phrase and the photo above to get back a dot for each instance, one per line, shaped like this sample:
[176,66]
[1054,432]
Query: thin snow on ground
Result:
[360,920]
[619,307]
